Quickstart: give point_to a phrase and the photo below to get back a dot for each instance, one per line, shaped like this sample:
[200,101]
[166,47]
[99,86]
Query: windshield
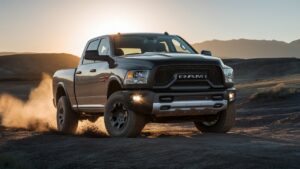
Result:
[136,44]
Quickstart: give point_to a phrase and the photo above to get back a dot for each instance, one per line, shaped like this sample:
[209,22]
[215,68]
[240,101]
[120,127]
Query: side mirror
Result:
[93,55]
[206,53]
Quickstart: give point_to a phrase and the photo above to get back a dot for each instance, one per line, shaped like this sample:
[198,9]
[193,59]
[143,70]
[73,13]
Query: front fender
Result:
[115,78]
[59,86]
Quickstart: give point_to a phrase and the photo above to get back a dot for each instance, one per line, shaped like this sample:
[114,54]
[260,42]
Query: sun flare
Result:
[114,26]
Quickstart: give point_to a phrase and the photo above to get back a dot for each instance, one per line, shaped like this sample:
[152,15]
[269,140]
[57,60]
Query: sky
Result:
[66,25]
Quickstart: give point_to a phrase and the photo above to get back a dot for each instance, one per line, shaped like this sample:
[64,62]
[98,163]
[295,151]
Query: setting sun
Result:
[114,26]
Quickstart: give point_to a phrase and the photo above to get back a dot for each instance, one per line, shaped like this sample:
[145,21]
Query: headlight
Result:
[228,73]
[136,77]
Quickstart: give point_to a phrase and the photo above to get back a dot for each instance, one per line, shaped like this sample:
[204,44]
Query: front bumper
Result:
[180,103]
[189,108]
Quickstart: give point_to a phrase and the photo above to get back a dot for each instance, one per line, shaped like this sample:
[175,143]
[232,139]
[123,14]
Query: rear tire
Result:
[119,120]
[220,123]
[66,118]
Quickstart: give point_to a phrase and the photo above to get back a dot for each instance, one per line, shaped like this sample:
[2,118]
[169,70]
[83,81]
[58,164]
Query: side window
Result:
[92,46]
[104,47]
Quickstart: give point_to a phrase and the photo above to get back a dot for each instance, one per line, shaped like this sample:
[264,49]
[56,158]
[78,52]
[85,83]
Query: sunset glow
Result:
[65,26]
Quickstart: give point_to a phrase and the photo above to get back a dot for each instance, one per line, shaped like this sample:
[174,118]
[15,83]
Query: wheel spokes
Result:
[119,116]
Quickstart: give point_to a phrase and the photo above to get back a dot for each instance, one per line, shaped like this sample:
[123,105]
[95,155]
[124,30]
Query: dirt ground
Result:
[266,135]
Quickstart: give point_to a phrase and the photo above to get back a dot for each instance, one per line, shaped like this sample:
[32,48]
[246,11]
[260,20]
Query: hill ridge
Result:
[250,48]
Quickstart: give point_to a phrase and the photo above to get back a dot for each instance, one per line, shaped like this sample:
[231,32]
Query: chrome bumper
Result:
[189,108]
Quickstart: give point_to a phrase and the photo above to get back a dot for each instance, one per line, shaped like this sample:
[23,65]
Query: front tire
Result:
[66,118]
[119,120]
[220,123]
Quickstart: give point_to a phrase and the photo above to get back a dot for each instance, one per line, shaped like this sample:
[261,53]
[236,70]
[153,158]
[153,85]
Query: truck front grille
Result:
[166,74]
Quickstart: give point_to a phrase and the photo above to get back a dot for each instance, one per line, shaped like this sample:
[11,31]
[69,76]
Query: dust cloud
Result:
[92,129]
[37,113]
[278,91]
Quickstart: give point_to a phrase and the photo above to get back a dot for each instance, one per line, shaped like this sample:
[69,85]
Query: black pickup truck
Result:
[133,79]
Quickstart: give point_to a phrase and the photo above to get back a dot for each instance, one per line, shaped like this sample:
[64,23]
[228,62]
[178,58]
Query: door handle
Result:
[93,70]
[78,72]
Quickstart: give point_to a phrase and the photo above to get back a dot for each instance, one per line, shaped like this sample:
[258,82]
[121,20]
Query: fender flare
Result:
[111,79]
[62,85]
[115,78]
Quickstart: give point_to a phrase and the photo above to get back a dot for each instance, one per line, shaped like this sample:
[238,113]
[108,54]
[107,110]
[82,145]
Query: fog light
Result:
[231,96]
[137,98]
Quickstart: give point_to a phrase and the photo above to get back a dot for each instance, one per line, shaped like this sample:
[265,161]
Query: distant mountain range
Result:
[15,53]
[245,48]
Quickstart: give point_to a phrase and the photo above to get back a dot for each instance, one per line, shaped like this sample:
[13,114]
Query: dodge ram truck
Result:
[132,79]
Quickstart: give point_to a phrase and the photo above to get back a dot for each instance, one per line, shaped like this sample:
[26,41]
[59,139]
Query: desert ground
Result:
[266,135]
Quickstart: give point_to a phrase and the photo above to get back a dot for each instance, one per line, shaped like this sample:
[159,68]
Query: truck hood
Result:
[150,60]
